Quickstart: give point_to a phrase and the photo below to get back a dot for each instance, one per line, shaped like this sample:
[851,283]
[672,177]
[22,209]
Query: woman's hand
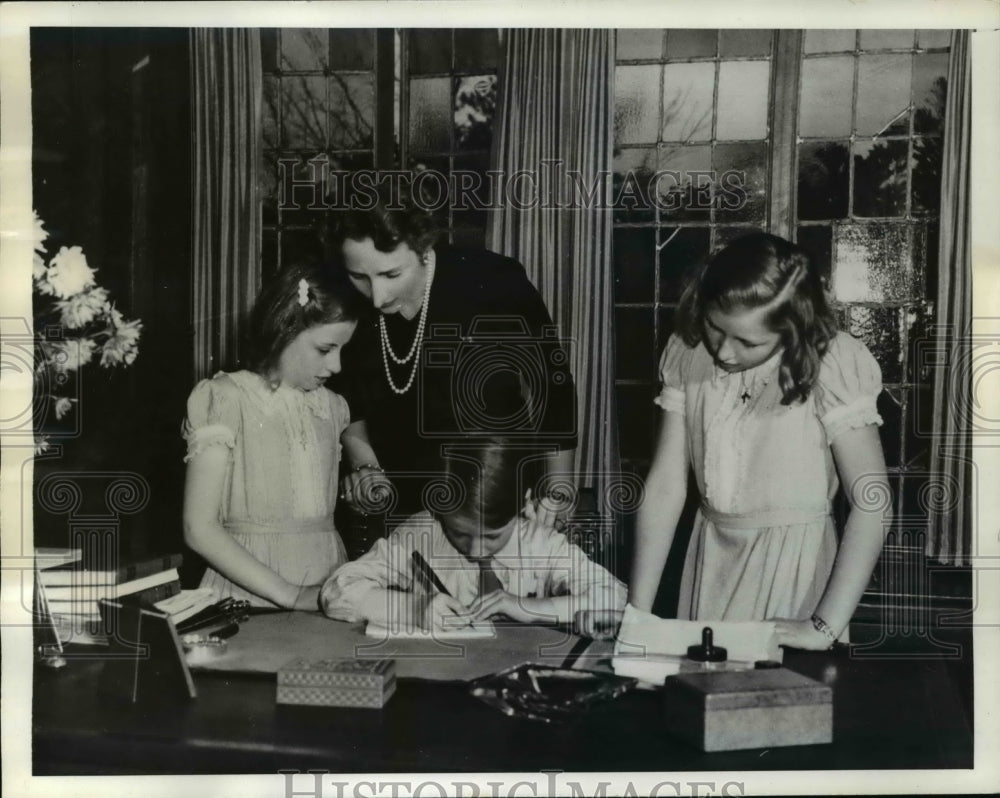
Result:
[440,613]
[597,624]
[366,490]
[800,634]
[548,512]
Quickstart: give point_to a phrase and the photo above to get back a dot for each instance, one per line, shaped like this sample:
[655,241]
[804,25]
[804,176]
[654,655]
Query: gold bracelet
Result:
[824,629]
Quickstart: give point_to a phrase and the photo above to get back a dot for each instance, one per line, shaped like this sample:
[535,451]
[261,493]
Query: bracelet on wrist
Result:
[824,629]
[372,466]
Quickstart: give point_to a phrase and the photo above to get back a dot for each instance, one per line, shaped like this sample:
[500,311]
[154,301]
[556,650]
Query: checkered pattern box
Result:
[365,683]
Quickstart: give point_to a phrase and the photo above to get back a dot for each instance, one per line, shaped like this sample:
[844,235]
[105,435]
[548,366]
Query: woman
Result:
[461,345]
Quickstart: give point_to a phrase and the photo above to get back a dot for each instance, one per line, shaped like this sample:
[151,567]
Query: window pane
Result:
[741,182]
[886,39]
[352,48]
[687,102]
[633,169]
[430,114]
[683,249]
[933,38]
[301,203]
[744,42]
[471,183]
[476,48]
[270,113]
[930,89]
[430,50]
[880,178]
[926,175]
[687,194]
[304,49]
[637,106]
[304,112]
[874,262]
[742,105]
[883,95]
[691,43]
[475,105]
[829,41]
[634,256]
[637,44]
[635,343]
[352,112]
[269,49]
[269,188]
[879,329]
[816,241]
[636,420]
[825,104]
[822,183]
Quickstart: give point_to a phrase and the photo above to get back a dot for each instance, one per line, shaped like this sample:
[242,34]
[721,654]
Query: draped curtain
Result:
[226,98]
[555,113]
[950,519]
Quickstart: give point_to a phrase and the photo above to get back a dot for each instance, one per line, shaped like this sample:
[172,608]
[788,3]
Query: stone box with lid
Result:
[728,710]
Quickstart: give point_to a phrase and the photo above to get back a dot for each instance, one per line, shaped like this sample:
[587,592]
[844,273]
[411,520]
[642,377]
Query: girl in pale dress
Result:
[765,402]
[264,446]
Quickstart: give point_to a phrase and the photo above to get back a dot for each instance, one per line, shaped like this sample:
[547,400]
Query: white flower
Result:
[68,273]
[80,310]
[72,354]
[38,234]
[38,269]
[63,406]
[123,345]
[41,445]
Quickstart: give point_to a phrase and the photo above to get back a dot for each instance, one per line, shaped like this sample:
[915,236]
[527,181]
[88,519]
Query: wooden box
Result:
[732,710]
[367,683]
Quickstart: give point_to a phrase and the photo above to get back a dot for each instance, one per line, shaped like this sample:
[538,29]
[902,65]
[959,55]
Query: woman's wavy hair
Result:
[763,270]
[285,308]
[388,214]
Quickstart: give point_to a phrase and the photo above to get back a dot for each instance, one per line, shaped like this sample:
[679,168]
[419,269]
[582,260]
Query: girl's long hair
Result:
[762,270]
[287,306]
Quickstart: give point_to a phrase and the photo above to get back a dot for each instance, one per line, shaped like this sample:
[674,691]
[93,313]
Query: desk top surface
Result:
[889,712]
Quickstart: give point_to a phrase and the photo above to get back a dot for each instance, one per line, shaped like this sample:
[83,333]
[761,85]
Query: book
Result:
[48,557]
[84,604]
[85,590]
[76,573]
[186,603]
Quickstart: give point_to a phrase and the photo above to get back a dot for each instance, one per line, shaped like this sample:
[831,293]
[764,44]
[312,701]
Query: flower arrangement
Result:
[88,326]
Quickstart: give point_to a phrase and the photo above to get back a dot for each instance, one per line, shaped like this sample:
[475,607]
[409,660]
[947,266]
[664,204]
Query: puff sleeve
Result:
[850,381]
[673,366]
[213,416]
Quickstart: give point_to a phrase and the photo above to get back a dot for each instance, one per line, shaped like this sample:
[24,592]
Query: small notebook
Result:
[479,629]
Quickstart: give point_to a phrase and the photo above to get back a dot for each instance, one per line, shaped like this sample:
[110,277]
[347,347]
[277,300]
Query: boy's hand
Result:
[597,624]
[500,602]
[441,613]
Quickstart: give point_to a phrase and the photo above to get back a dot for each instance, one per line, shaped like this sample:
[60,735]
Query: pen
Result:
[425,570]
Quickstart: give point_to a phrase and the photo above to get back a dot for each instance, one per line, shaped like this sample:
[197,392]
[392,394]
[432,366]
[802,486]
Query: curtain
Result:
[555,113]
[950,514]
[226,90]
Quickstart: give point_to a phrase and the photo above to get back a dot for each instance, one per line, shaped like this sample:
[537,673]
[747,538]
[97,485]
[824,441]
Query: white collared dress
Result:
[764,540]
[281,483]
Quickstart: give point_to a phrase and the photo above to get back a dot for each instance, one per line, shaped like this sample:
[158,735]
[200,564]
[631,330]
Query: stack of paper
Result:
[651,648]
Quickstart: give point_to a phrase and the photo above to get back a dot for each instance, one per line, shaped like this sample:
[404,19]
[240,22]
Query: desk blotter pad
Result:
[265,643]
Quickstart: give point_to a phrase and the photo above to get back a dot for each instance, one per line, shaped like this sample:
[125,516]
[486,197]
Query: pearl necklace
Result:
[414,353]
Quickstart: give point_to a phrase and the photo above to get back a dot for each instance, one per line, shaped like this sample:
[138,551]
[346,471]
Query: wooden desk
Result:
[888,713]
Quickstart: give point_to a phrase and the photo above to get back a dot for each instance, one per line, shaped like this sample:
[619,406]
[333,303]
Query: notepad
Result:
[479,629]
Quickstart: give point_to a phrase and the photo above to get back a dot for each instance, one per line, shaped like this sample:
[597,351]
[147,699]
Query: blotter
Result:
[650,648]
[479,629]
